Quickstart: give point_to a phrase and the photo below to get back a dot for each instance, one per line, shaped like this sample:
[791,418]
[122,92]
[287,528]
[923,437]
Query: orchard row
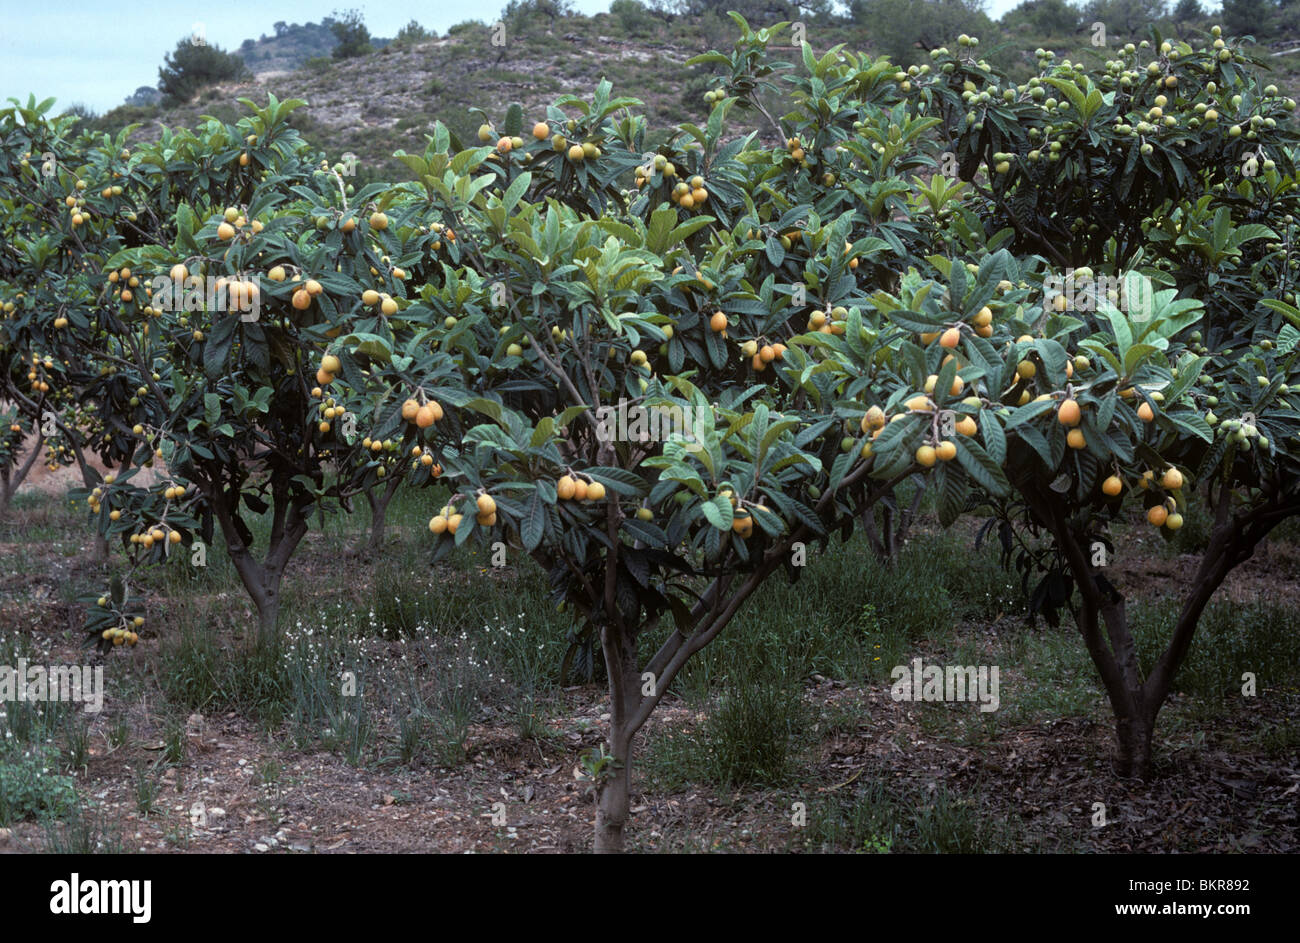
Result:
[838,317]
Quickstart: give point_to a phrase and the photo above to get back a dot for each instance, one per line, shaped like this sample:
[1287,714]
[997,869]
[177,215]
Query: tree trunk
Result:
[261,579]
[379,502]
[907,516]
[887,538]
[1133,734]
[1136,701]
[262,589]
[378,511]
[613,796]
[268,607]
[11,479]
[1134,708]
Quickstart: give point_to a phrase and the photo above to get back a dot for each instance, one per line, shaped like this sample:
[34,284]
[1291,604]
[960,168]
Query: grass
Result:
[147,787]
[750,738]
[876,819]
[391,669]
[1232,640]
[82,830]
[1047,675]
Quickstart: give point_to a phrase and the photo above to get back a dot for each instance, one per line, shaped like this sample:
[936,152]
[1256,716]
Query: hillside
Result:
[376,104]
[289,49]
[292,46]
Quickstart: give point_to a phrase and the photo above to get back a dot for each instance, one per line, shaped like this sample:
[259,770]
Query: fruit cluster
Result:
[121,636]
[302,301]
[659,164]
[829,322]
[690,194]
[329,411]
[1163,513]
[760,356]
[423,459]
[445,521]
[233,221]
[423,415]
[797,153]
[155,535]
[577,488]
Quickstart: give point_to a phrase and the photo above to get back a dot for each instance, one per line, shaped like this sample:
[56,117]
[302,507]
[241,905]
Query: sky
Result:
[97,52]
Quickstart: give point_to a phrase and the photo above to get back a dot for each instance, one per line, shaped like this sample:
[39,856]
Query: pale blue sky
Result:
[100,51]
[97,52]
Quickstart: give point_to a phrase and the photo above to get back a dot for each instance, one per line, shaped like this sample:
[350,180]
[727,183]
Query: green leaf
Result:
[217,346]
[1193,424]
[1071,91]
[952,486]
[369,345]
[619,480]
[486,407]
[1029,411]
[518,187]
[1135,355]
[1290,312]
[995,439]
[532,527]
[980,465]
[1120,326]
[719,512]
[645,531]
